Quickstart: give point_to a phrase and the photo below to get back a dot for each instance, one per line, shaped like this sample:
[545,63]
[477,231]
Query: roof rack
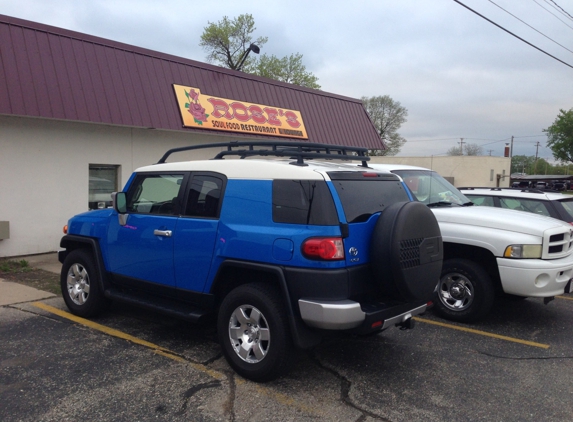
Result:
[298,150]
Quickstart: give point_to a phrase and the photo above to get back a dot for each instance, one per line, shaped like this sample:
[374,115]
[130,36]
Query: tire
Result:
[80,284]
[406,252]
[253,332]
[465,292]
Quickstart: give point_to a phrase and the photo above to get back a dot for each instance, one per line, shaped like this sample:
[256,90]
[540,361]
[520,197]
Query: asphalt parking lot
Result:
[132,365]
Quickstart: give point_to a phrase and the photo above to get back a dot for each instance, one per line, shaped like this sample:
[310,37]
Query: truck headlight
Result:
[523,251]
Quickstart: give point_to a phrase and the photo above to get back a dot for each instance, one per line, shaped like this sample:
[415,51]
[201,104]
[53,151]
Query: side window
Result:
[482,201]
[536,207]
[510,203]
[204,197]
[524,204]
[303,202]
[154,194]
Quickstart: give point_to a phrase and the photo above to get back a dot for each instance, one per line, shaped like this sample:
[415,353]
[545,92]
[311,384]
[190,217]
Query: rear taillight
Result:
[325,248]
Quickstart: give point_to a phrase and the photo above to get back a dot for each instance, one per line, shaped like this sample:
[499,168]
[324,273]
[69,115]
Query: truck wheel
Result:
[406,252]
[80,284]
[465,292]
[253,332]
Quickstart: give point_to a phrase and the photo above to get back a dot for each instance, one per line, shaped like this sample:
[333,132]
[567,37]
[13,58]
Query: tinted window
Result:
[204,197]
[363,197]
[303,202]
[485,201]
[154,193]
[523,204]
[568,206]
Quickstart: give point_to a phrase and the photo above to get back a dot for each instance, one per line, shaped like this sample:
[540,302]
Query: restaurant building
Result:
[79,113]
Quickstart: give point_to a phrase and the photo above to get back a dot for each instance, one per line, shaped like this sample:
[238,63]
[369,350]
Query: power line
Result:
[548,11]
[561,10]
[525,23]
[529,136]
[432,140]
[511,33]
[494,141]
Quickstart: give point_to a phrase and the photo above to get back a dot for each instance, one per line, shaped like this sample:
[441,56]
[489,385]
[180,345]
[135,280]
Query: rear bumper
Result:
[347,314]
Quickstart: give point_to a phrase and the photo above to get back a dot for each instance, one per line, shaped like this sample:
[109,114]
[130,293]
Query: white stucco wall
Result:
[465,170]
[44,172]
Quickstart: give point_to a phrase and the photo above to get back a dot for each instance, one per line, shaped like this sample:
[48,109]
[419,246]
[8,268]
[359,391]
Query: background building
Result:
[483,171]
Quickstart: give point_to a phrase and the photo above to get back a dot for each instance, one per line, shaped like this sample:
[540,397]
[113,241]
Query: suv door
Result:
[197,230]
[143,248]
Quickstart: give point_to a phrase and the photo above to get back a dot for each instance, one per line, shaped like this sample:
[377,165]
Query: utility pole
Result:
[536,153]
[490,151]
[511,154]
[461,146]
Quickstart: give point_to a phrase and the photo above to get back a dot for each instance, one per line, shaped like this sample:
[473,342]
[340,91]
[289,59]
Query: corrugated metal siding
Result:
[55,73]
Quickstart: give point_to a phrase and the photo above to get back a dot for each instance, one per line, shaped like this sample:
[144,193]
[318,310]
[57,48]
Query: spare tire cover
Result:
[406,252]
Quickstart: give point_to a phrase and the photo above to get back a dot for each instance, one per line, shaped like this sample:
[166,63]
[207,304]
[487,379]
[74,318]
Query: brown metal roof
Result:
[54,73]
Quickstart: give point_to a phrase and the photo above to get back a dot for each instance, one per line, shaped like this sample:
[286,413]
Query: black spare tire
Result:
[406,252]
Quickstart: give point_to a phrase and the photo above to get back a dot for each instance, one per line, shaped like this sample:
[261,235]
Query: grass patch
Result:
[8,266]
[21,272]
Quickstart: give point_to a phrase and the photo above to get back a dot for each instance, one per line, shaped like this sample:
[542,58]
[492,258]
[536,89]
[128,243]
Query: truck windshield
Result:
[431,188]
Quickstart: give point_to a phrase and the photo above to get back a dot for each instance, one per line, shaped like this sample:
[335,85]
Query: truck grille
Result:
[557,245]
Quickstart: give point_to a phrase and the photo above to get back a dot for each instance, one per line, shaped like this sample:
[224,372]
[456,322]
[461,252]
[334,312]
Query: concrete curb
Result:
[12,293]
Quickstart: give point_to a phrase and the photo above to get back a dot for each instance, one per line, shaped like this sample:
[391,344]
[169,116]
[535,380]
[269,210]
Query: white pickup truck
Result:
[489,250]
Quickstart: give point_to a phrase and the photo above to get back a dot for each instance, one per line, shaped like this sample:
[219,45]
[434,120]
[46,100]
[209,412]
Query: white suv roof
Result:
[261,168]
[536,201]
[517,193]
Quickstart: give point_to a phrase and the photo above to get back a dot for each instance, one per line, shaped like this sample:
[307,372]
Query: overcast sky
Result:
[458,75]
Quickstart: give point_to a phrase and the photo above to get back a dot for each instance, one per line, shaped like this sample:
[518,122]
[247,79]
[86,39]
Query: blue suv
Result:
[281,249]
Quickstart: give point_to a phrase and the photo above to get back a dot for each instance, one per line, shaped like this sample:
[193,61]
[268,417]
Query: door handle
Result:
[164,233]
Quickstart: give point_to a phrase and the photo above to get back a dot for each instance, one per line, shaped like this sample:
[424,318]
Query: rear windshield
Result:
[362,196]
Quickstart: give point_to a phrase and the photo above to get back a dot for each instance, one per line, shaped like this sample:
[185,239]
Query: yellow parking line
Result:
[110,331]
[280,398]
[563,297]
[482,333]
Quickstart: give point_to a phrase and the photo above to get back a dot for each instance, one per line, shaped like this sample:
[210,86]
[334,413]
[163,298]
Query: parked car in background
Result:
[550,204]
[522,184]
[489,250]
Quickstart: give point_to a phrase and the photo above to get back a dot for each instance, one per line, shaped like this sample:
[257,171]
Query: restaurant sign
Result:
[207,112]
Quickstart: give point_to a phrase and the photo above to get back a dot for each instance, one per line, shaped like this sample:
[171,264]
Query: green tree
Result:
[387,116]
[228,41]
[468,149]
[541,166]
[522,164]
[288,69]
[560,136]
[454,151]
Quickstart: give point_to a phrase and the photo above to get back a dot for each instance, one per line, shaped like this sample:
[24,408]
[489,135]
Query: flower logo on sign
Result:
[195,108]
